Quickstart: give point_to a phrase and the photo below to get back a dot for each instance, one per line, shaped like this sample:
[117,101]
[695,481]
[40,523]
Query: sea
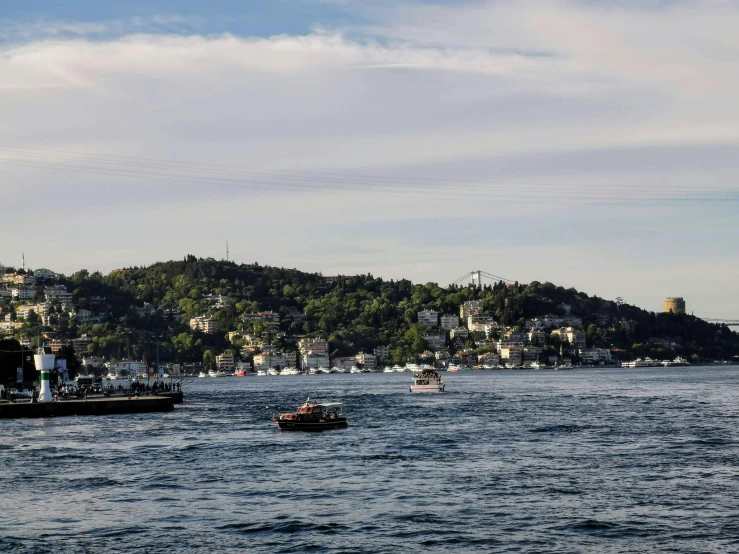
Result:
[587,460]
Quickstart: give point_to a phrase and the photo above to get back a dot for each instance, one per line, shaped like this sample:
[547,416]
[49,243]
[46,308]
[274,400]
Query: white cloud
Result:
[544,92]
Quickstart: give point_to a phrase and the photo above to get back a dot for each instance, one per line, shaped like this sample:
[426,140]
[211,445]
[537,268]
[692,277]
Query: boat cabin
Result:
[316,412]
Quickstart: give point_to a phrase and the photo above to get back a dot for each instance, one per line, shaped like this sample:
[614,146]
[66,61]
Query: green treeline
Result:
[354,314]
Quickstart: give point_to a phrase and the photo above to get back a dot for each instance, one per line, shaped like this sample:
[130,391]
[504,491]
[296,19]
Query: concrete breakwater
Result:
[94,406]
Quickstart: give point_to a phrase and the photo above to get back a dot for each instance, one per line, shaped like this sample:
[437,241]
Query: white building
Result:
[449,321]
[343,362]
[313,353]
[367,360]
[382,352]
[44,273]
[267,360]
[596,356]
[429,318]
[512,355]
[226,362]
[575,338]
[459,332]
[58,292]
[126,368]
[469,308]
[536,337]
[436,341]
[23,293]
[204,324]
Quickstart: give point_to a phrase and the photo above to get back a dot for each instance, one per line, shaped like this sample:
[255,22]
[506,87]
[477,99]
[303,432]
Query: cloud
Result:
[573,98]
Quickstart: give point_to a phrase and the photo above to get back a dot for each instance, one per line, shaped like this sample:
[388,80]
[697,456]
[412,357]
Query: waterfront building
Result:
[489,359]
[512,355]
[596,355]
[126,368]
[382,352]
[676,305]
[80,344]
[343,362]
[367,360]
[226,362]
[530,354]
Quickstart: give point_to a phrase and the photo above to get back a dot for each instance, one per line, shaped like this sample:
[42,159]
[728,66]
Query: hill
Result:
[139,310]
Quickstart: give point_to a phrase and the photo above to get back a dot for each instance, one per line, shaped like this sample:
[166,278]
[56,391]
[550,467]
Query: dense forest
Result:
[144,313]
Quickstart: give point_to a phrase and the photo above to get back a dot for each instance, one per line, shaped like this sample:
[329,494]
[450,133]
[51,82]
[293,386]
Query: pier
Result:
[93,406]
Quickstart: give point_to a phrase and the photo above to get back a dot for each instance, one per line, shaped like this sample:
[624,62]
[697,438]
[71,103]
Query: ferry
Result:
[427,380]
[313,416]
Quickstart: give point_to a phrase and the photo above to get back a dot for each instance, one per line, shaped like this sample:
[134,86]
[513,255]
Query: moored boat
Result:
[427,380]
[453,368]
[313,416]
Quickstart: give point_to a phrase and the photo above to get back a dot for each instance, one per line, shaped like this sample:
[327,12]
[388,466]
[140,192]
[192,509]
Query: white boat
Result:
[289,371]
[261,372]
[388,370]
[398,369]
[224,374]
[453,368]
[355,369]
[427,380]
[412,367]
[165,376]
[323,370]
[202,374]
[313,371]
[212,373]
[272,371]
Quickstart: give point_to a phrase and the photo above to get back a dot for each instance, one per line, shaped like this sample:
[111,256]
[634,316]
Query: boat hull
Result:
[427,388]
[289,425]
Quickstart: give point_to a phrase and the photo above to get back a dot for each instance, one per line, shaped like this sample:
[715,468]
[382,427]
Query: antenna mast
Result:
[226,250]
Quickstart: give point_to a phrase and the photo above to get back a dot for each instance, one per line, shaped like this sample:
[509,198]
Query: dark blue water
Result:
[590,460]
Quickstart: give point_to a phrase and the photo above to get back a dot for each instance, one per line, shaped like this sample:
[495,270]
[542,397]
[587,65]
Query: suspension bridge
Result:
[477,276]
[727,322]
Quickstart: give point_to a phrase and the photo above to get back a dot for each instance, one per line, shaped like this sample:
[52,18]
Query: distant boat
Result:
[289,371]
[388,370]
[355,369]
[261,372]
[202,374]
[240,373]
[427,380]
[272,371]
[454,368]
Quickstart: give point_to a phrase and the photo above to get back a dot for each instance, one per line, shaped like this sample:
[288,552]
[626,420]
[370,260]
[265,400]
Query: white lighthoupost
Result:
[44,363]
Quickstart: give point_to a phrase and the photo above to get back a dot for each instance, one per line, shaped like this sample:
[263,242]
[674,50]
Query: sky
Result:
[573,141]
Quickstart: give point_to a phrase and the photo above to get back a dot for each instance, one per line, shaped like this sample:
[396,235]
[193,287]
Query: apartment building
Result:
[469,308]
[226,362]
[449,321]
[367,360]
[429,318]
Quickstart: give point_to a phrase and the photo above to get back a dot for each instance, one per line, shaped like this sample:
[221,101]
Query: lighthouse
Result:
[44,363]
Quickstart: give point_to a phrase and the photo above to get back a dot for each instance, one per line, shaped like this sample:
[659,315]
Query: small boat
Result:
[427,380]
[272,371]
[240,373]
[313,371]
[453,368]
[289,371]
[212,373]
[355,369]
[165,376]
[262,372]
[388,370]
[398,369]
[313,416]
[202,374]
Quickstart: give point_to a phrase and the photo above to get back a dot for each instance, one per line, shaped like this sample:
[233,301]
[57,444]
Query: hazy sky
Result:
[568,141]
